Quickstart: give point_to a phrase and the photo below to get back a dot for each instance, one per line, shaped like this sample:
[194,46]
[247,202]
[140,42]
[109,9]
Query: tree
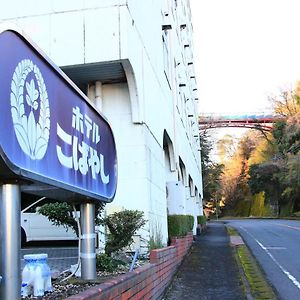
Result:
[226,148]
[211,171]
[235,189]
[265,177]
[212,182]
[290,180]
[287,103]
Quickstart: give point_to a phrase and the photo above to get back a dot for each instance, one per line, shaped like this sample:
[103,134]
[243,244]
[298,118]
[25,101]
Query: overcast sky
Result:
[245,50]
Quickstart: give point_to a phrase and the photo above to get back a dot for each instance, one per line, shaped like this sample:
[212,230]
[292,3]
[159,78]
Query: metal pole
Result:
[10,234]
[88,245]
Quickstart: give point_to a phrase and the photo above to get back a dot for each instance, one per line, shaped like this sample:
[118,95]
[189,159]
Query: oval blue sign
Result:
[49,130]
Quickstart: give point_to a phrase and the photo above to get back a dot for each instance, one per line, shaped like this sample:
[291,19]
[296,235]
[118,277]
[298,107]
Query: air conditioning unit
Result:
[176,197]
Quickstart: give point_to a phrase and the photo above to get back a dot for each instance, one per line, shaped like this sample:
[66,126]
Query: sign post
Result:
[10,200]
[88,241]
[54,143]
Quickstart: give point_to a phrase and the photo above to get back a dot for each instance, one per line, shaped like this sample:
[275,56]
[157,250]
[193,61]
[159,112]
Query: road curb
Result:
[255,284]
[236,240]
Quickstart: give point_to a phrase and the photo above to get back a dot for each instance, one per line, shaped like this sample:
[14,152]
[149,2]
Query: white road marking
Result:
[290,276]
[293,227]
[275,248]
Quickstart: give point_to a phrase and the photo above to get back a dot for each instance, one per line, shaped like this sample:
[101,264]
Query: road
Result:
[276,246]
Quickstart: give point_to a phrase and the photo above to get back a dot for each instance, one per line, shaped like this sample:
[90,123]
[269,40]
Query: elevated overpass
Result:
[258,121]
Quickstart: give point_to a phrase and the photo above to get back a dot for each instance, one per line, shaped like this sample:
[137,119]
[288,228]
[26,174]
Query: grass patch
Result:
[231,231]
[253,278]
[260,288]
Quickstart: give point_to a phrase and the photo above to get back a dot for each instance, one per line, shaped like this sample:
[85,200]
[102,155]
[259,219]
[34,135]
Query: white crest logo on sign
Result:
[33,137]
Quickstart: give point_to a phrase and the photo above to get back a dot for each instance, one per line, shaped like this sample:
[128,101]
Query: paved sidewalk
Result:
[209,272]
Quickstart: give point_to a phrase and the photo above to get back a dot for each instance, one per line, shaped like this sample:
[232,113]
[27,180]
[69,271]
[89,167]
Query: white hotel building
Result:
[134,58]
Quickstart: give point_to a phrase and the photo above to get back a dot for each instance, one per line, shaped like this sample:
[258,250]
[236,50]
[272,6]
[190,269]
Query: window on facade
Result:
[196,195]
[191,187]
[166,53]
[182,170]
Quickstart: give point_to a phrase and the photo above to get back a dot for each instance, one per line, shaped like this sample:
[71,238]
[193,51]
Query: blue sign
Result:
[49,131]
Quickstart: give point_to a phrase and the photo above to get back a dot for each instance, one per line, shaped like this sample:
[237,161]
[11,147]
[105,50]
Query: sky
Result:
[244,52]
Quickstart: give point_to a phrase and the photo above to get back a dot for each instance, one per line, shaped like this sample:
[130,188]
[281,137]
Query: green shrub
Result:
[190,222]
[106,263]
[201,220]
[180,225]
[122,226]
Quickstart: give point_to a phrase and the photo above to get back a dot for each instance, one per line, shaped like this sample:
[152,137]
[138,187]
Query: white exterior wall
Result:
[76,32]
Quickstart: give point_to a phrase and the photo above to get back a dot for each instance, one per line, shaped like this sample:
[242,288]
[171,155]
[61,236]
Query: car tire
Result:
[23,237]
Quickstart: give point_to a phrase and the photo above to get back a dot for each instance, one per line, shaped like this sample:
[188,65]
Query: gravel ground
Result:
[74,285]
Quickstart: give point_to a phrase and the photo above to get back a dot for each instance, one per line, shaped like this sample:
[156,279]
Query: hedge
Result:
[180,225]
[201,220]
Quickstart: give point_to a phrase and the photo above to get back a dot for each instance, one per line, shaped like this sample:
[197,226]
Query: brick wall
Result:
[148,281]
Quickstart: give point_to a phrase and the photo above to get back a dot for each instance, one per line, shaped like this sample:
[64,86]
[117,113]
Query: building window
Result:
[166,53]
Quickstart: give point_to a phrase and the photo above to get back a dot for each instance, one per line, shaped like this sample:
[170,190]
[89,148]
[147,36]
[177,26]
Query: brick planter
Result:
[148,281]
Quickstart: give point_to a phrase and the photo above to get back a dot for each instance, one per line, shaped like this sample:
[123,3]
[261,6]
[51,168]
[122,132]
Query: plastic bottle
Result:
[28,274]
[36,276]
[42,281]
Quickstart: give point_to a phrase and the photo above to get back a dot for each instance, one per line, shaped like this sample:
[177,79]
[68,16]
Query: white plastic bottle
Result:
[36,276]
[28,274]
[38,283]
[46,273]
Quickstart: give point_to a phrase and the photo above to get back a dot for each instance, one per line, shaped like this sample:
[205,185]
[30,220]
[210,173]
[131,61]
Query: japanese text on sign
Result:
[84,158]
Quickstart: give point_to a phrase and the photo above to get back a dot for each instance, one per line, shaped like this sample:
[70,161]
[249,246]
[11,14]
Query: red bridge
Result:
[254,121]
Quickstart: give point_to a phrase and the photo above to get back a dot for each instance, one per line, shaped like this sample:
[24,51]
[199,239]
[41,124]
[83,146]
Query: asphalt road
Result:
[276,246]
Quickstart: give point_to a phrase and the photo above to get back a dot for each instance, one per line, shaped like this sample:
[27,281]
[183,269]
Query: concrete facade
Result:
[135,60]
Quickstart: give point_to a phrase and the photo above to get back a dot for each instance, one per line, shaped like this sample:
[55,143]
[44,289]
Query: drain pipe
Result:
[98,95]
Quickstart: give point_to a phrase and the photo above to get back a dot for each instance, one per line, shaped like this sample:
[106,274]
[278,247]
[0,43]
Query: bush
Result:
[190,222]
[122,226]
[180,225]
[106,263]
[201,220]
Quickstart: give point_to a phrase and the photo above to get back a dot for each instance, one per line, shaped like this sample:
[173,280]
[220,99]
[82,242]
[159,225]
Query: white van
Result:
[36,227]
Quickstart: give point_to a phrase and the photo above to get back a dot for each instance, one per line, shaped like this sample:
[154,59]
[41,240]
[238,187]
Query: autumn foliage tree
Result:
[235,188]
[278,176]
